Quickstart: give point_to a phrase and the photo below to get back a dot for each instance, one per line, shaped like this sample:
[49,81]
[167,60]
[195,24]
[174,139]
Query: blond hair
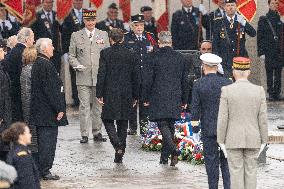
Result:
[29,55]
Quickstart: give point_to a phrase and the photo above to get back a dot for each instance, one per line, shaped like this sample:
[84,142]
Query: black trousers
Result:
[117,136]
[74,86]
[167,128]
[47,140]
[213,159]
[273,76]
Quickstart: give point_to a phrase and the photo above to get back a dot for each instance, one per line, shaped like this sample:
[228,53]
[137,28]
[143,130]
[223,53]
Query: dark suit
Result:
[141,49]
[273,48]
[47,100]
[13,65]
[225,41]
[107,24]
[151,27]
[71,24]
[5,31]
[117,85]
[185,28]
[213,16]
[43,29]
[205,106]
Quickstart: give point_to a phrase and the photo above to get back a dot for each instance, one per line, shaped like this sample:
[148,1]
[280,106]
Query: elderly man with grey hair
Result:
[13,65]
[8,175]
[165,91]
[47,106]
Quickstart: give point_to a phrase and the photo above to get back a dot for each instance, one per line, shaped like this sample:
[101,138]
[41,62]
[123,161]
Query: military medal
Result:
[47,25]
[76,21]
[231,25]
[276,38]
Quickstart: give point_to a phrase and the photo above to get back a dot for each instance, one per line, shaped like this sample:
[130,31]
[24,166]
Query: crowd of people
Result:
[116,71]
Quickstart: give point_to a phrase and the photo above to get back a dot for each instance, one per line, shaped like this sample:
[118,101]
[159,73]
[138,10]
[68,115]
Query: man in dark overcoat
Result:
[205,105]
[13,65]
[48,109]
[150,22]
[46,26]
[270,46]
[165,92]
[229,36]
[117,90]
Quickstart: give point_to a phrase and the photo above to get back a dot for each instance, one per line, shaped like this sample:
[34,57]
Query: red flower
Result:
[198,156]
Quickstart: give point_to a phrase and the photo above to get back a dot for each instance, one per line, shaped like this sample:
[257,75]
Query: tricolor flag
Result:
[161,14]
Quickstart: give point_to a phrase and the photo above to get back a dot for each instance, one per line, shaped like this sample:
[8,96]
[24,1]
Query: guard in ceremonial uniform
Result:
[111,21]
[72,23]
[185,26]
[143,43]
[8,24]
[46,26]
[150,22]
[205,106]
[230,36]
[270,44]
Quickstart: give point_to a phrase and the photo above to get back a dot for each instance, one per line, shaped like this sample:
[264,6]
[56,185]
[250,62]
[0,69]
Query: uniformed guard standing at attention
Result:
[186,28]
[8,24]
[46,26]
[229,38]
[72,23]
[270,44]
[111,21]
[205,106]
[143,43]
[150,22]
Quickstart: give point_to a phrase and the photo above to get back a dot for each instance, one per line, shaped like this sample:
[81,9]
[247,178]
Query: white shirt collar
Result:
[88,33]
[229,18]
[77,11]
[188,9]
[45,12]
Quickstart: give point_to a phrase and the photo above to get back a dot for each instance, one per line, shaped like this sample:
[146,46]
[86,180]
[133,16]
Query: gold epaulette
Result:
[22,153]
[218,18]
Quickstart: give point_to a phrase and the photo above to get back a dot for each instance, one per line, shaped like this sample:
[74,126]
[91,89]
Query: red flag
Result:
[15,7]
[30,11]
[281,7]
[247,8]
[124,5]
[161,14]
[215,1]
[97,3]
[63,8]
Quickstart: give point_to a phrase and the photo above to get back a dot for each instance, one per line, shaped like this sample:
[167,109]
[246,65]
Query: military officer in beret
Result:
[111,21]
[84,54]
[242,131]
[205,105]
[150,22]
[143,43]
[185,26]
[270,43]
[46,26]
[229,38]
[8,24]
[72,23]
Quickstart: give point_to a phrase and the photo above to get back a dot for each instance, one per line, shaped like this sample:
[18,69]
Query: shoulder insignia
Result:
[218,18]
[22,153]
[131,41]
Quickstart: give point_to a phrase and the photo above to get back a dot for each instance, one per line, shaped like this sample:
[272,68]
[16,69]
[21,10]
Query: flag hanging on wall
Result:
[161,14]
[97,3]
[125,6]
[15,7]
[247,8]
[63,8]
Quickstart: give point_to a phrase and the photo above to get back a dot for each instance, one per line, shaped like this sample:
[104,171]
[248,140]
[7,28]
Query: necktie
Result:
[140,38]
[80,17]
[48,18]
[90,36]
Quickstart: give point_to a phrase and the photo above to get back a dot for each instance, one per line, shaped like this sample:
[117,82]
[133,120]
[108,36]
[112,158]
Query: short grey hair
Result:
[242,73]
[42,43]
[165,37]
[24,34]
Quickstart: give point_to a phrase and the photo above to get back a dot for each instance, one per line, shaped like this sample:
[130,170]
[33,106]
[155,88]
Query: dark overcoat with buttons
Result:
[117,82]
[225,41]
[107,25]
[166,87]
[21,158]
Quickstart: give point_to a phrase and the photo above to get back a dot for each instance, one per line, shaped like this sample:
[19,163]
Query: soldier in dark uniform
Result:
[72,23]
[205,105]
[270,43]
[46,26]
[185,26]
[8,24]
[219,12]
[111,21]
[230,36]
[143,43]
[150,22]
[20,156]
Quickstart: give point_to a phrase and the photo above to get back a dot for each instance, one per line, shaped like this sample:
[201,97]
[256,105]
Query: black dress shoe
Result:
[163,161]
[84,140]
[132,132]
[118,156]
[49,176]
[99,138]
[174,158]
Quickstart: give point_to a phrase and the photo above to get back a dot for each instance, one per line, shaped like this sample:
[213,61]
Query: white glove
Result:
[261,149]
[8,24]
[223,148]
[241,20]
[262,57]
[202,9]
[65,58]
[282,19]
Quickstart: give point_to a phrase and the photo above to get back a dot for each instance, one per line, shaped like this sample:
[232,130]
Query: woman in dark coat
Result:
[165,92]
[116,90]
